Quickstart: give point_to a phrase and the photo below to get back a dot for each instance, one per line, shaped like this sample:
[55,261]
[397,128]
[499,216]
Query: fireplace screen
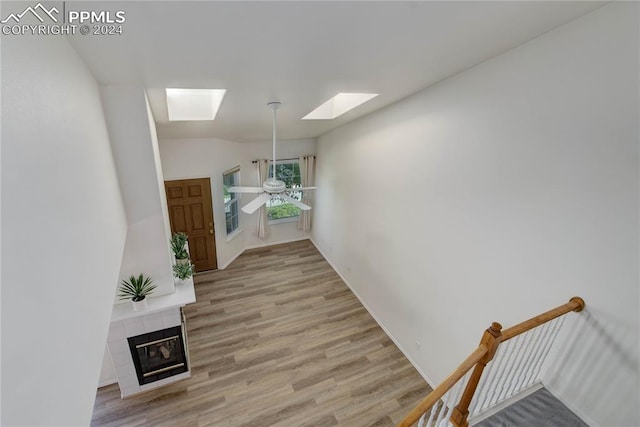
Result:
[158,355]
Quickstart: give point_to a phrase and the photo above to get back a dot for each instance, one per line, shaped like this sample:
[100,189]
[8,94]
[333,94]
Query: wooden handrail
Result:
[492,338]
[575,304]
[433,397]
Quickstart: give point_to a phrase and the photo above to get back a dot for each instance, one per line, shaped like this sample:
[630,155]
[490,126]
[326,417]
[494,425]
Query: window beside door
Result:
[278,210]
[229,179]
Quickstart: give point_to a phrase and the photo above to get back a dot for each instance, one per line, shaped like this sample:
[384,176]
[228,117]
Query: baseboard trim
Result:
[280,242]
[107,382]
[233,258]
[571,407]
[372,314]
[262,245]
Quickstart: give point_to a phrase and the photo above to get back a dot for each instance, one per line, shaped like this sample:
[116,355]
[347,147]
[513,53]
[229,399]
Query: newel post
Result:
[491,340]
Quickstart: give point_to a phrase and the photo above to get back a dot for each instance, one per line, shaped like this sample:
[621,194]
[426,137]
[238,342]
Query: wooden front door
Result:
[190,211]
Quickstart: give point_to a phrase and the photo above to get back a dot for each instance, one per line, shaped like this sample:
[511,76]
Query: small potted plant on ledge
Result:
[179,247]
[183,271]
[137,289]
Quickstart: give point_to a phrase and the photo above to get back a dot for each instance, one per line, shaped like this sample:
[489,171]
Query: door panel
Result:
[178,221]
[174,193]
[197,216]
[200,245]
[190,211]
[194,191]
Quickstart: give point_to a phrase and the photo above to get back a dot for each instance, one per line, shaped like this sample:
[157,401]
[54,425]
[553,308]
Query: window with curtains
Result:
[287,171]
[229,179]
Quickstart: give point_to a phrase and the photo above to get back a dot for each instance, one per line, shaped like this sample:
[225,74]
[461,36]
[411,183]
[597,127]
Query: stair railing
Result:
[518,368]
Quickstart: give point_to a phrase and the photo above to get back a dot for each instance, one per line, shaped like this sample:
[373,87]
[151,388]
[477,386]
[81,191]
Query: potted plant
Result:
[179,247]
[137,289]
[183,271]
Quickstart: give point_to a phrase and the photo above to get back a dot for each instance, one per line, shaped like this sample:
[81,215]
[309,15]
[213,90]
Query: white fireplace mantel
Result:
[184,294]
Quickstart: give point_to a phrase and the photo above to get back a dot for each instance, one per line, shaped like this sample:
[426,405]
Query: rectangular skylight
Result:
[194,104]
[338,105]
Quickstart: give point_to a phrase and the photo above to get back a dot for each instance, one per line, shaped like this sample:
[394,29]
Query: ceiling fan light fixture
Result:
[272,187]
[193,104]
[338,105]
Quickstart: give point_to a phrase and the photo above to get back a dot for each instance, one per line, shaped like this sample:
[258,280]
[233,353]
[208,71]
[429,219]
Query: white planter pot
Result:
[139,305]
[181,282]
[183,261]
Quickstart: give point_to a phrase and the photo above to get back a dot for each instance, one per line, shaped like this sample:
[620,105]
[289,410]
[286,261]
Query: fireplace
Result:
[157,355]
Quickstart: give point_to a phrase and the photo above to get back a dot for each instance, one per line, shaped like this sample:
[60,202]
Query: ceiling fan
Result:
[272,188]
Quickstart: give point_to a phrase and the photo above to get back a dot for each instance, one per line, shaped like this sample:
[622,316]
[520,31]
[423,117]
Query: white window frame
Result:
[289,218]
[232,203]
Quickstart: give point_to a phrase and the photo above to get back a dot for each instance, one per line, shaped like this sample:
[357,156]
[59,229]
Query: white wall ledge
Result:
[184,294]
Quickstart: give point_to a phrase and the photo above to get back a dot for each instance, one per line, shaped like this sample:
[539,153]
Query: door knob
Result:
[211,231]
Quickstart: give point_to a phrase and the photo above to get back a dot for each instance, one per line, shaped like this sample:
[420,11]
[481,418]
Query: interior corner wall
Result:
[134,146]
[496,195]
[63,233]
[211,157]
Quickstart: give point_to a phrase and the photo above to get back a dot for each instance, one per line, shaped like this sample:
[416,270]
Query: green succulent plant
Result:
[137,288]
[178,242]
[183,271]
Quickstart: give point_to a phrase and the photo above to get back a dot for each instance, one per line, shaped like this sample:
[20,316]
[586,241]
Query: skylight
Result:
[194,104]
[338,105]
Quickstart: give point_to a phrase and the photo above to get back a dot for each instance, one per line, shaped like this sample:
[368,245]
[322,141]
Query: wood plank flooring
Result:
[277,339]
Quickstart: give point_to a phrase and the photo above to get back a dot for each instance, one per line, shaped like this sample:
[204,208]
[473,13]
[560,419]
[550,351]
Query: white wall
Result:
[498,194]
[64,229]
[135,148]
[107,371]
[200,158]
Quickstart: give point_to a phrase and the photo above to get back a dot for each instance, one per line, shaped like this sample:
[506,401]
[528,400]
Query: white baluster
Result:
[434,411]
[421,420]
[557,327]
[522,355]
[546,333]
[443,410]
[510,368]
[532,346]
[505,352]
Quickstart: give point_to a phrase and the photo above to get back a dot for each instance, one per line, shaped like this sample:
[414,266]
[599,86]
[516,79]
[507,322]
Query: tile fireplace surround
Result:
[162,312]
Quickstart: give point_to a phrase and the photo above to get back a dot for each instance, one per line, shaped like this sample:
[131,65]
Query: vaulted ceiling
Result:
[302,53]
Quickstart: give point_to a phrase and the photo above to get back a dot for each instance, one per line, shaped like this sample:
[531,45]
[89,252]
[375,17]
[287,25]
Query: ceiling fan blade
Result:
[253,205]
[245,190]
[295,202]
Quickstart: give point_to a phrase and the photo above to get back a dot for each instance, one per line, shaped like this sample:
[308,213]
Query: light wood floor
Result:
[277,339]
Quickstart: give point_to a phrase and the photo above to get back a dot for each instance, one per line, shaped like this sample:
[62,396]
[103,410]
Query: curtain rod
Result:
[281,160]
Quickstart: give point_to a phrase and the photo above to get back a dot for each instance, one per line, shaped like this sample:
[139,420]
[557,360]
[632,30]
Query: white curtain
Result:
[307,179]
[263,223]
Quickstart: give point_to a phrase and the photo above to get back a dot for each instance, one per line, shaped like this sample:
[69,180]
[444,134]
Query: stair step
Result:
[539,409]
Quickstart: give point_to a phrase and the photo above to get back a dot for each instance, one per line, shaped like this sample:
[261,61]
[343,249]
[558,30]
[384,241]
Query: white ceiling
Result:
[303,53]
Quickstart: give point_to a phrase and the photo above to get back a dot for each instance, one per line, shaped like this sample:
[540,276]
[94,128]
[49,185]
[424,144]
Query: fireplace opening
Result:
[157,355]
